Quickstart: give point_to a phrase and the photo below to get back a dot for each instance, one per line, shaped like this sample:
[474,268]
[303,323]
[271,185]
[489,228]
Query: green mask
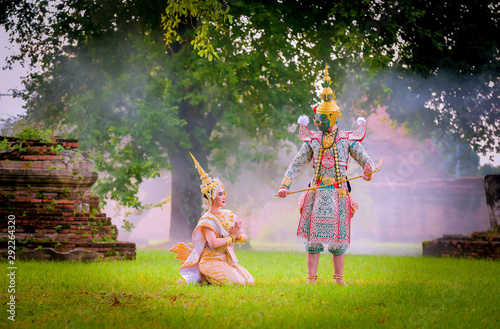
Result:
[322,122]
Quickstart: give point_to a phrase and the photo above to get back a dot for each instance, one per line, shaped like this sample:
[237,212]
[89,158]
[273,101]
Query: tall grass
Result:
[383,291]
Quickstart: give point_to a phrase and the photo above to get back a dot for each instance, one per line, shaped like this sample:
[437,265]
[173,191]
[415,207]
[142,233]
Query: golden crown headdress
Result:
[328,105]
[208,185]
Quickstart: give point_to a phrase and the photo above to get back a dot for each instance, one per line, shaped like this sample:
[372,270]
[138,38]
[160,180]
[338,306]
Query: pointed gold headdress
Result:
[208,185]
[328,105]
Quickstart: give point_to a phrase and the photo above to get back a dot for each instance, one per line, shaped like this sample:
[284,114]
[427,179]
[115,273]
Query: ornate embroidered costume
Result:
[201,262]
[325,213]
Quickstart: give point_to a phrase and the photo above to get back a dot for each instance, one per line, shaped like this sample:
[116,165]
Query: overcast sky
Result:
[9,79]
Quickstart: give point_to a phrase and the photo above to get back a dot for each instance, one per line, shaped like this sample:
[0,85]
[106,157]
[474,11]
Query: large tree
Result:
[107,77]
[228,87]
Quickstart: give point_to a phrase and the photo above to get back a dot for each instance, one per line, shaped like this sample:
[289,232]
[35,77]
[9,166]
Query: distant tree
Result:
[457,157]
[489,170]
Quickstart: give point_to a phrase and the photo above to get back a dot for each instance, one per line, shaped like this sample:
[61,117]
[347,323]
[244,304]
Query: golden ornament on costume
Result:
[328,180]
[328,105]
[208,185]
[342,192]
[327,141]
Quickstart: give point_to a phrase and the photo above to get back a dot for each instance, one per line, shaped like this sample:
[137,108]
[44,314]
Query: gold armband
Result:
[286,182]
[230,239]
[240,238]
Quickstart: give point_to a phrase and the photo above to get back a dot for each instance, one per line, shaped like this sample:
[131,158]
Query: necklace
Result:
[326,142]
[222,220]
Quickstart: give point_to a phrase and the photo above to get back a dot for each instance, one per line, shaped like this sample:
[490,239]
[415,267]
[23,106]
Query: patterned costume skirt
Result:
[215,267]
[325,218]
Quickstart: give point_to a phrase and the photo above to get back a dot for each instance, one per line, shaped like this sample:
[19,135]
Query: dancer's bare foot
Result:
[339,279]
[312,279]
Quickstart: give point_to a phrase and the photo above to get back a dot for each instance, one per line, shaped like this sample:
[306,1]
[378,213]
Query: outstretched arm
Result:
[302,158]
[357,151]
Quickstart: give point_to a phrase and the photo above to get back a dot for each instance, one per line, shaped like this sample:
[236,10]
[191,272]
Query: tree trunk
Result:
[186,194]
[492,189]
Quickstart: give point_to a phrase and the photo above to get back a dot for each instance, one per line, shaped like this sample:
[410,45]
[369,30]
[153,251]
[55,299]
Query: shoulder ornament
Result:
[305,134]
[355,135]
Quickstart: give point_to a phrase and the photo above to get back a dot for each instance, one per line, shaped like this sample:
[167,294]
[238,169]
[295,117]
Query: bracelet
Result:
[230,239]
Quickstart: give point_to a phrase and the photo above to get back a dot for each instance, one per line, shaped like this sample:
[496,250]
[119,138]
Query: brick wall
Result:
[485,245]
[47,188]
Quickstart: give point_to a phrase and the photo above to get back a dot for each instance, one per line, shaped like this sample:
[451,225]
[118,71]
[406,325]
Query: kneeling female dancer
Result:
[210,257]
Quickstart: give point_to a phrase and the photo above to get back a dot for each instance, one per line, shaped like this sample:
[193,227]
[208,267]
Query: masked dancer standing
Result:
[326,212]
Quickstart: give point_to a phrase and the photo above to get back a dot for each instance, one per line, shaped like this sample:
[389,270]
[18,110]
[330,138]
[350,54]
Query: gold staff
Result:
[377,168]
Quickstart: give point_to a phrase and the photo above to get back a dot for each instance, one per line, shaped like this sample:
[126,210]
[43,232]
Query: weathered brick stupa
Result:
[480,244]
[46,186]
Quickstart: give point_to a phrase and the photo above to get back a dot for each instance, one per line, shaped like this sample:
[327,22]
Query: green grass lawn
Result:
[383,291]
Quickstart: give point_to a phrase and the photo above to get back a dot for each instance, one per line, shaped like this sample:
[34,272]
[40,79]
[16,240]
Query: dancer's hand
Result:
[354,207]
[368,168]
[283,192]
[236,229]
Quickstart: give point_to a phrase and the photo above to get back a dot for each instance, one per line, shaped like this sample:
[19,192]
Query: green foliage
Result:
[58,148]
[395,292]
[105,238]
[4,145]
[207,17]
[44,135]
[21,147]
[127,226]
[9,195]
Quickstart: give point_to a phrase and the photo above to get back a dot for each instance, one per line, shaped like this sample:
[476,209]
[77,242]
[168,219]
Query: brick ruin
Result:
[46,187]
[481,244]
